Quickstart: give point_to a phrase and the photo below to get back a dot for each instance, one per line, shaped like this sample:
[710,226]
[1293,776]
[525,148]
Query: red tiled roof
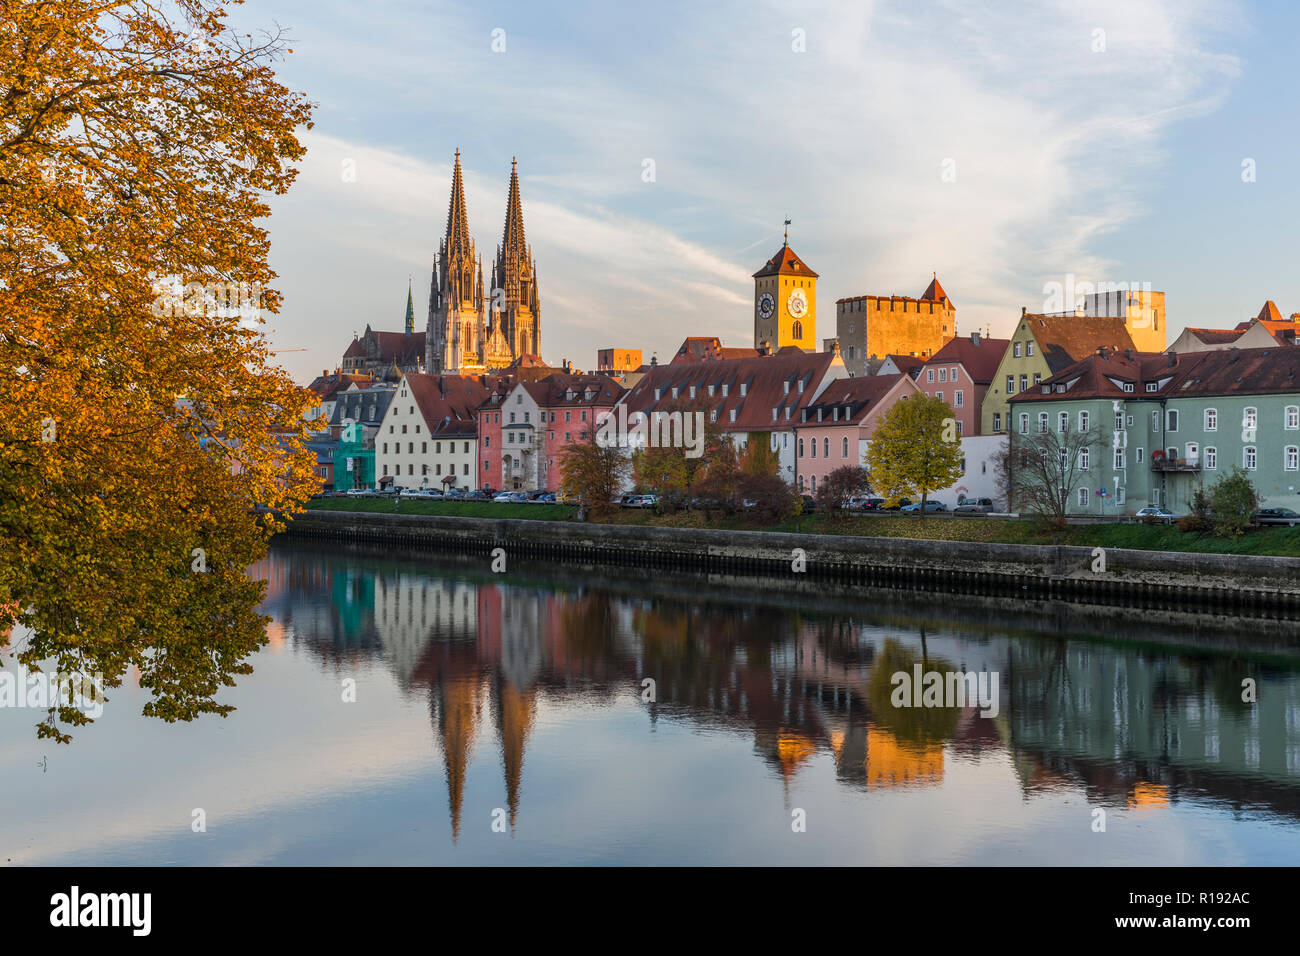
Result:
[447,402]
[1229,371]
[765,379]
[785,262]
[553,391]
[1065,339]
[1218,336]
[1269,313]
[934,292]
[980,361]
[708,348]
[861,394]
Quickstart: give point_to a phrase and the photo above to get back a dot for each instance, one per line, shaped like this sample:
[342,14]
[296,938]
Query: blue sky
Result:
[1114,164]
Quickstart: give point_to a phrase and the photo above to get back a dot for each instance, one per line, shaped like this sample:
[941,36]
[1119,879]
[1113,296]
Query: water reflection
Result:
[1146,724]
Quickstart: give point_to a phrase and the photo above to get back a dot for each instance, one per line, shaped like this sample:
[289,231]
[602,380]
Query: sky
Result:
[661,146]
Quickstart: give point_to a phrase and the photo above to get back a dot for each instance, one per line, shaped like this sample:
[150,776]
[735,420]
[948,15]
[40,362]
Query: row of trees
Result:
[914,452]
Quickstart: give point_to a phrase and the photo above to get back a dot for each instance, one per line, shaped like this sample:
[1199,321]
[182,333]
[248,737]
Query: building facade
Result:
[429,433]
[873,326]
[961,374]
[1174,423]
[785,303]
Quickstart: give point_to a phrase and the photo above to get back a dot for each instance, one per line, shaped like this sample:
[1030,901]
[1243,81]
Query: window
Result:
[1083,421]
[1292,417]
[959,399]
[997,422]
[1083,497]
[744,387]
[1291,458]
[929,375]
[1119,459]
[1155,420]
[1193,452]
[939,395]
[1015,350]
[512,418]
[813,448]
[1038,377]
[1011,385]
[1171,423]
[1119,421]
[1250,418]
[487,441]
[1128,386]
[952,375]
[797,332]
[1063,423]
[1211,458]
[1083,459]
[844,452]
[732,415]
[1024,423]
[826,448]
[1119,495]
[1029,348]
[1153,386]
[774,413]
[1211,419]
[1248,455]
[800,447]
[943,375]
[1042,423]
[1024,382]
[1140,456]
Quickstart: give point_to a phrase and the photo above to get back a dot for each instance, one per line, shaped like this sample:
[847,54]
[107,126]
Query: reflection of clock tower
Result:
[785,302]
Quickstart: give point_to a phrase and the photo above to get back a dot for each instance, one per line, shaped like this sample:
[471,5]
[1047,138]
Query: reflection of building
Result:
[1139,729]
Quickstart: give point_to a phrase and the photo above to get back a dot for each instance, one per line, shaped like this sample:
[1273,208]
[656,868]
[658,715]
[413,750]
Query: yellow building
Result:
[785,303]
[880,325]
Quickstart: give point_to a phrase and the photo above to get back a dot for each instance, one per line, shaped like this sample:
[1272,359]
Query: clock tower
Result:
[785,302]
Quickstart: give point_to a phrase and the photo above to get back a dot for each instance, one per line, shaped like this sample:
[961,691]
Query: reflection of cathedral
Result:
[472,327]
[1140,730]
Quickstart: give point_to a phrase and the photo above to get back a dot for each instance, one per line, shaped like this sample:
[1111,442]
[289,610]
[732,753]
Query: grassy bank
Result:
[1284,542]
[465,509]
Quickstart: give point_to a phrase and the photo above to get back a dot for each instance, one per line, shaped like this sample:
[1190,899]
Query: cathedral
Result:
[475,328]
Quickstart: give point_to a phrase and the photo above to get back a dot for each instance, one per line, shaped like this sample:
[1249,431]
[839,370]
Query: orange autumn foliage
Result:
[141,415]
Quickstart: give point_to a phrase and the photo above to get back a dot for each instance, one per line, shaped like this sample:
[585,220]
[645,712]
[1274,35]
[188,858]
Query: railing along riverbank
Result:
[1268,586]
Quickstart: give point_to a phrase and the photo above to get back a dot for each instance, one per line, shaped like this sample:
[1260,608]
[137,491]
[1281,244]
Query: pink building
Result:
[960,373]
[836,427]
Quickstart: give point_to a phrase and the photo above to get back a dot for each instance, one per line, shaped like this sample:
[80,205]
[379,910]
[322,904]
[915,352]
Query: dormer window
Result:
[744,387]
[659,392]
[787,387]
[801,387]
[725,389]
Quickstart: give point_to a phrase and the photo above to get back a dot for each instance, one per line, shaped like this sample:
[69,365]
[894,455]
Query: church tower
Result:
[785,302]
[516,308]
[455,337]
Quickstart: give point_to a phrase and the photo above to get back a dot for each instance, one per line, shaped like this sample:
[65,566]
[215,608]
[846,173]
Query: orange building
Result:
[880,325]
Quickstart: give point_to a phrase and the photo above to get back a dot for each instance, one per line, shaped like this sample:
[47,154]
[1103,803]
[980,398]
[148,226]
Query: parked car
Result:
[641,501]
[809,504]
[358,492]
[1157,514]
[858,503]
[974,506]
[505,496]
[898,505]
[1277,516]
[931,507]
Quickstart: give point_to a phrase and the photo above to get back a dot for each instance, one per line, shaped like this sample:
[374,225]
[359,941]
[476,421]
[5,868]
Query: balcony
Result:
[1164,464]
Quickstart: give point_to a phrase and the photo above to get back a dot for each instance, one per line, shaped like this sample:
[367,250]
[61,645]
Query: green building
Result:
[354,460]
[1167,424]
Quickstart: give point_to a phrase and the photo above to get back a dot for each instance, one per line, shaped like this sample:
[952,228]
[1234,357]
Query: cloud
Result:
[1055,145]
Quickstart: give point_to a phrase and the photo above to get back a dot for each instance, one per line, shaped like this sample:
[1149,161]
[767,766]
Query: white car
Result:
[1159,514]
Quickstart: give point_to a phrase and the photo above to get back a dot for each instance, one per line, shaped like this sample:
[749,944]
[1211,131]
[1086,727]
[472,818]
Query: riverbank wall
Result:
[1183,581]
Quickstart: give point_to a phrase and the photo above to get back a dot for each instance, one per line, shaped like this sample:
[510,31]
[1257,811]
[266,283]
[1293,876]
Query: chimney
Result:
[1128,354]
[974,338]
[1102,351]
[1023,311]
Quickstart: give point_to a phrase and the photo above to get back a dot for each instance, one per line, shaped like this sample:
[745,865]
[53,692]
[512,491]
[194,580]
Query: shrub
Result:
[1233,501]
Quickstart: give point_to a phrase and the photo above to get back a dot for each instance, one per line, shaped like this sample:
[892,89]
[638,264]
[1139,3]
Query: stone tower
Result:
[785,302]
[456,334]
[516,309]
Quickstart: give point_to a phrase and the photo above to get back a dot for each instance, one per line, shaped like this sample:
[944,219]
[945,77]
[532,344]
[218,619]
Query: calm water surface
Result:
[517,700]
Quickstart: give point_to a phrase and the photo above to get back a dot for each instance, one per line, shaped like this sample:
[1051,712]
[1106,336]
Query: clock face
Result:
[765,305]
[797,304]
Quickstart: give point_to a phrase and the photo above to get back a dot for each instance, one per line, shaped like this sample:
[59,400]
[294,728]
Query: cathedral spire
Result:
[410,305]
[457,218]
[513,238]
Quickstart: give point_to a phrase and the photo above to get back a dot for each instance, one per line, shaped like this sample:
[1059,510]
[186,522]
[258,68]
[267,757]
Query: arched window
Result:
[826,448]
[800,447]
[845,452]
[797,330]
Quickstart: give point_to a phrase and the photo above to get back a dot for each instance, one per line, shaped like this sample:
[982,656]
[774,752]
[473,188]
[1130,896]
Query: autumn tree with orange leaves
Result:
[141,415]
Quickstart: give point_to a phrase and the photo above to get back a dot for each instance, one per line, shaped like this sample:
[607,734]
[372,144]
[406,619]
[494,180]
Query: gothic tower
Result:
[456,334]
[516,305]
